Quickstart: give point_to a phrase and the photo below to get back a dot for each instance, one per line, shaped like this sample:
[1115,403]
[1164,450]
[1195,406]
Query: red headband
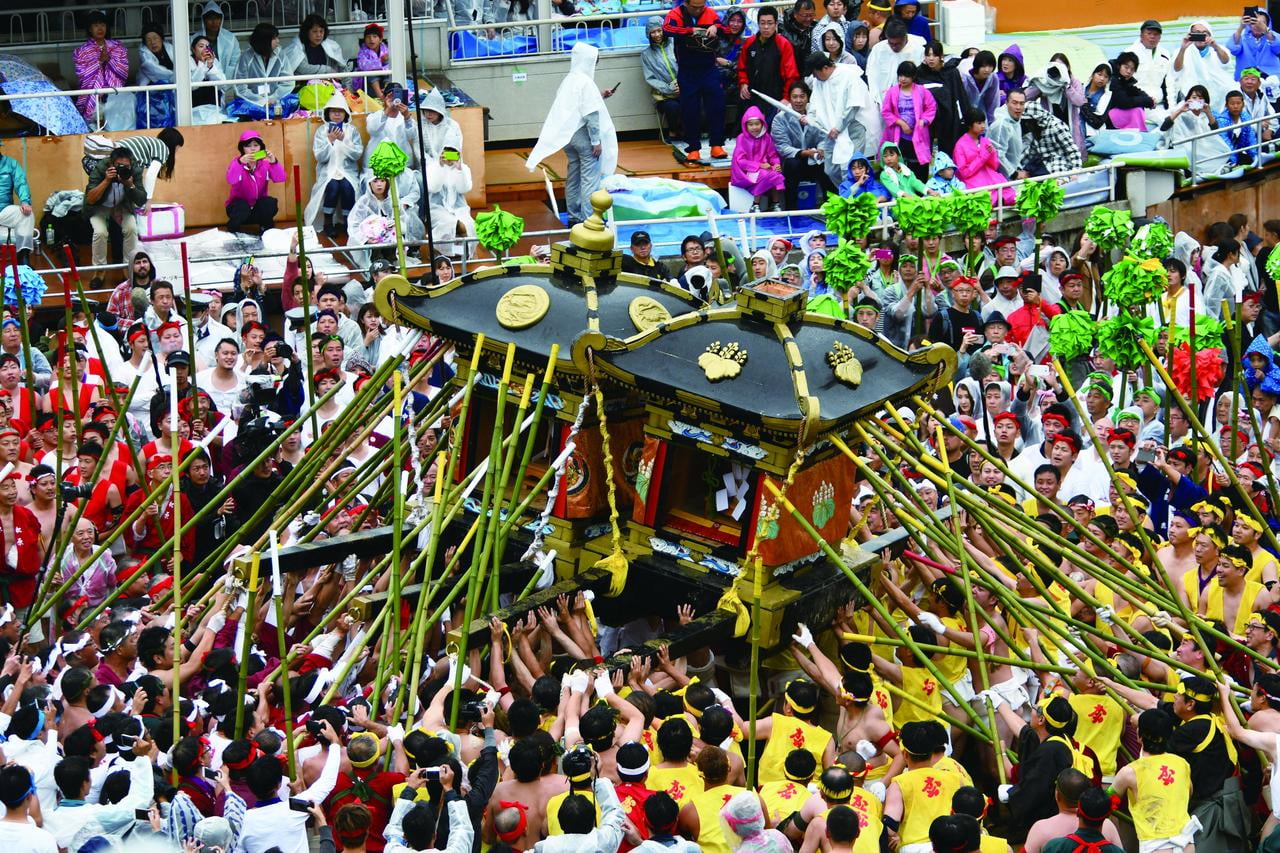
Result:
[513,835]
[156,461]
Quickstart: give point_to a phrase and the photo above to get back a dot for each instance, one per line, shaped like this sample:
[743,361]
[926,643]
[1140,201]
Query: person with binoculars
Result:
[113,193]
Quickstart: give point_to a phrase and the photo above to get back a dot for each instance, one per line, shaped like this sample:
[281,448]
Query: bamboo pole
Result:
[286,691]
[249,622]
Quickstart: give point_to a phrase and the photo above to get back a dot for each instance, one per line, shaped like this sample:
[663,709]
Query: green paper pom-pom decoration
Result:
[1209,332]
[1134,281]
[1040,200]
[388,160]
[1110,229]
[970,213]
[851,218]
[846,266]
[1153,240]
[1273,265]
[922,216]
[498,230]
[1118,339]
[1071,335]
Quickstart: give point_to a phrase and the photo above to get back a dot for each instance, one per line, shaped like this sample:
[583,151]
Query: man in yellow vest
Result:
[921,794]
[1099,718]
[578,765]
[674,774]
[700,815]
[787,795]
[840,787]
[794,727]
[842,830]
[955,833]
[1158,787]
[970,801]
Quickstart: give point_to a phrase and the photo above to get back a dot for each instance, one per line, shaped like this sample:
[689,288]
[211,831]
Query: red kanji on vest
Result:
[797,738]
[1098,714]
[932,787]
[928,687]
[1166,775]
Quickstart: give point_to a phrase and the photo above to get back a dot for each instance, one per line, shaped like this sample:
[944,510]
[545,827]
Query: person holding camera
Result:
[1202,59]
[1254,43]
[249,175]
[113,193]
[283,824]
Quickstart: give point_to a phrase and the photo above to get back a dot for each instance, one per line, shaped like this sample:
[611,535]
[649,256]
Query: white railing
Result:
[1255,151]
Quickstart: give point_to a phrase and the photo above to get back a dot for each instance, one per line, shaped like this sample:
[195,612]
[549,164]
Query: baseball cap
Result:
[1152,24]
[640,238]
[179,357]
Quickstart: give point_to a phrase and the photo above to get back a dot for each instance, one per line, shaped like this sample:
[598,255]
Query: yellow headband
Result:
[692,710]
[799,709]
[1044,712]
[377,750]
[1205,506]
[1209,533]
[1253,523]
[834,796]
[1238,562]
[1199,697]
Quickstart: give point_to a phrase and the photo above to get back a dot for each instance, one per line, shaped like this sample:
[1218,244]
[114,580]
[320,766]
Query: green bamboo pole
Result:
[530,440]
[249,620]
[286,691]
[500,493]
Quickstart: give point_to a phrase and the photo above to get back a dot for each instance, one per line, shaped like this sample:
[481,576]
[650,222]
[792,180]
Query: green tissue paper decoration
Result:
[1071,335]
[1118,339]
[1153,240]
[828,305]
[498,230]
[388,160]
[970,212]
[1273,265]
[1134,281]
[923,216]
[846,266]
[1040,200]
[851,218]
[1110,229]
[1209,332]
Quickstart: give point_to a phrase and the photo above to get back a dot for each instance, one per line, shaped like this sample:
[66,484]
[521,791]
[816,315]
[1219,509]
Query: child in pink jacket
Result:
[908,111]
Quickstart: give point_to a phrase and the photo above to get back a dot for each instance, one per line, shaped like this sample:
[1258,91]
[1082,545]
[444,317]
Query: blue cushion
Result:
[1123,141]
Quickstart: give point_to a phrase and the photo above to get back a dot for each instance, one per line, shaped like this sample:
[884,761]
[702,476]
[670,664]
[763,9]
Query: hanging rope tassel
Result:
[732,602]
[616,563]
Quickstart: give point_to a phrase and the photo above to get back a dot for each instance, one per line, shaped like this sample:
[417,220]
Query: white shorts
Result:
[964,689]
[1175,844]
[922,847]
[1014,691]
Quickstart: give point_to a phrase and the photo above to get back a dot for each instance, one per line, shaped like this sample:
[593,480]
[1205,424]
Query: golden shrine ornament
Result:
[844,364]
[722,361]
[647,312]
[522,306]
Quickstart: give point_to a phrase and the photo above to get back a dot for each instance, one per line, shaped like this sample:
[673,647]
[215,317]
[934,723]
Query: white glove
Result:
[721,697]
[453,671]
[866,749]
[604,687]
[803,636]
[1002,793]
[993,699]
[877,790]
[395,733]
[1162,619]
[932,622]
[217,621]
[1106,615]
[578,681]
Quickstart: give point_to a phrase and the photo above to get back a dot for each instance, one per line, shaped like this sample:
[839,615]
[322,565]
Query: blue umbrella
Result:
[57,116]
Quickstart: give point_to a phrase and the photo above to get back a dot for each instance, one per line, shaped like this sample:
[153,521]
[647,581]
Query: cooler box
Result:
[163,222]
[963,23]
[807,196]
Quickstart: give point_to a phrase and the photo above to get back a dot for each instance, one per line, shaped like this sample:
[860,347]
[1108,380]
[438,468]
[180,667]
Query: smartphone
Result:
[1146,456]
[1198,38]
[142,814]
[209,773]
[335,127]
[259,155]
[297,804]
[1039,371]
[1251,11]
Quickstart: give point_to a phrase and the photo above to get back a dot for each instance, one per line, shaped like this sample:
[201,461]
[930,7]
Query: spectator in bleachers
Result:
[766,63]
[800,146]
[1240,138]
[313,52]
[1155,68]
[896,175]
[17,220]
[862,180]
[843,106]
[249,175]
[113,192]
[978,160]
[641,260]
[942,80]
[1254,45]
[756,166]
[798,26]
[859,46]
[909,12]
[154,157]
[908,111]
[204,65]
[694,25]
[728,50]
[875,13]
[1129,103]
[1097,98]
[1194,117]
[373,56]
[1202,59]
[439,130]
[889,53]
[223,43]
[658,63]
[374,206]
[1011,72]
[101,63]
[264,59]
[1058,91]
[155,65]
[337,145]
[1047,143]
[836,10]
[1256,103]
[393,123]
[831,44]
[981,88]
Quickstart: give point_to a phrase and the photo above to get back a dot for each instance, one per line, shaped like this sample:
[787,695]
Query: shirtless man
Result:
[10,447]
[42,483]
[1179,557]
[534,785]
[1247,532]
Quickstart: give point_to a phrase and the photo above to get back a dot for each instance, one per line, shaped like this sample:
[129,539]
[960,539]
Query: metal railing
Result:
[1254,151]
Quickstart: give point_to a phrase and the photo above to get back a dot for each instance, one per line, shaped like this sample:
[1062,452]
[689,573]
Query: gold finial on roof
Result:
[593,235]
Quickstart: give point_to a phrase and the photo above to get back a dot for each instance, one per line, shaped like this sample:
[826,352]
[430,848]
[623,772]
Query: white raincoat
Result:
[449,209]
[334,160]
[398,129]
[444,134]
[833,105]
[1206,69]
[577,98]
[368,205]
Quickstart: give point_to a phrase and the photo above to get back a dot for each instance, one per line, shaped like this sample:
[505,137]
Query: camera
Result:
[71,492]
[124,173]
[1055,72]
[314,728]
[283,350]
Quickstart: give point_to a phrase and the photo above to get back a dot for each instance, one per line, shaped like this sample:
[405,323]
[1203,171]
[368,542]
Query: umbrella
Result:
[57,116]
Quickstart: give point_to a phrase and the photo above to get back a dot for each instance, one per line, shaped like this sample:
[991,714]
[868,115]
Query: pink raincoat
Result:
[925,109]
[93,74]
[978,165]
[750,154]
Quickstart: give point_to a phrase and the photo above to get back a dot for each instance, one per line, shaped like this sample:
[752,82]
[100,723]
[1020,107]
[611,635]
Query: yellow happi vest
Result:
[1158,800]
[870,814]
[926,796]
[790,733]
[783,797]
[1260,560]
[553,809]
[1079,760]
[708,804]
[1215,606]
[681,783]
[920,683]
[1099,724]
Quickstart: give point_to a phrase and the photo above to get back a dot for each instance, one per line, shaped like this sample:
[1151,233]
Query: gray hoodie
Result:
[658,61]
[605,838]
